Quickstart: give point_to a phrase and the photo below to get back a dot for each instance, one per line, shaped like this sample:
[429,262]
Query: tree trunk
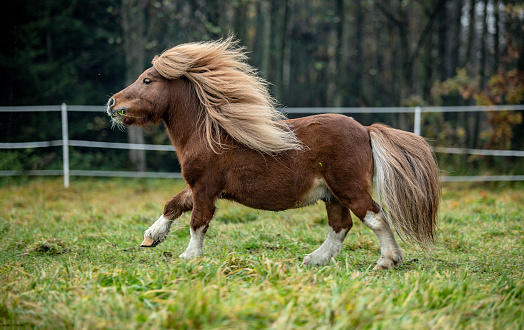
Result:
[134,27]
[332,67]
[427,68]
[286,61]
[404,54]
[470,121]
[477,121]
[340,76]
[471,31]
[240,9]
[443,44]
[496,36]
[455,54]
[405,68]
[279,13]
[265,36]
[359,52]
[483,46]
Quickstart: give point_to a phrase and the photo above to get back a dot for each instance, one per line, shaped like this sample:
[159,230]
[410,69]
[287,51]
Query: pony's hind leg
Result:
[340,223]
[390,253]
[360,202]
[174,208]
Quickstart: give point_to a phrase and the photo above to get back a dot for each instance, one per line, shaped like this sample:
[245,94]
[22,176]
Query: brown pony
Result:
[233,144]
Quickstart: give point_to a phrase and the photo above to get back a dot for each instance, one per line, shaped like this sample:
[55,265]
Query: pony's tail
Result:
[407,181]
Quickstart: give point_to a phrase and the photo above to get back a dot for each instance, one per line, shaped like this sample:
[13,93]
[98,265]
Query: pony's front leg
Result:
[340,223]
[174,208]
[203,212]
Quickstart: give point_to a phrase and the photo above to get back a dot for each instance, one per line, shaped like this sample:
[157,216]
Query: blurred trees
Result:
[315,53]
[56,51]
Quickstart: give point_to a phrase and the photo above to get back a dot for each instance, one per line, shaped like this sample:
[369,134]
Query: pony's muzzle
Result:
[114,112]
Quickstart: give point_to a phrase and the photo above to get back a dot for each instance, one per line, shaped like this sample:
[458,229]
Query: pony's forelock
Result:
[235,99]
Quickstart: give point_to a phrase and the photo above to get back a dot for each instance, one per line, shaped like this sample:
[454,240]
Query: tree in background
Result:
[137,18]
[504,86]
[56,51]
[315,53]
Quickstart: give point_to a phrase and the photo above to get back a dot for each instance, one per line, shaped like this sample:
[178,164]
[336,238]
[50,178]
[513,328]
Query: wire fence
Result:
[66,143]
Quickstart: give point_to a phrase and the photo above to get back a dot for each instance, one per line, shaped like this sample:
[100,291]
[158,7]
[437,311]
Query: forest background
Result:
[337,53]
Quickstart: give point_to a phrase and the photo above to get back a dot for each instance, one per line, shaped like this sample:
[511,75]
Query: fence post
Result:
[65,145]
[416,129]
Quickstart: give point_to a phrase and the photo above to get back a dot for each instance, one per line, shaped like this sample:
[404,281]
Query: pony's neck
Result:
[182,117]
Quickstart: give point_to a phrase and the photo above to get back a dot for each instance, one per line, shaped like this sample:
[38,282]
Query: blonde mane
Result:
[234,98]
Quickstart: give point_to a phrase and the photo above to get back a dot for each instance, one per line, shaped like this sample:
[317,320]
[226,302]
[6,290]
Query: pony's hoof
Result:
[148,242]
[380,267]
[388,263]
[313,260]
[190,254]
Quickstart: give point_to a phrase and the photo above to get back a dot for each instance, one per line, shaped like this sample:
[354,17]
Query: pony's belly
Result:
[282,199]
[318,191]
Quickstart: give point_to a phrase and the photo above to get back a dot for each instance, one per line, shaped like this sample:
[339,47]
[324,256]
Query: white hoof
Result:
[190,254]
[157,233]
[313,259]
[148,242]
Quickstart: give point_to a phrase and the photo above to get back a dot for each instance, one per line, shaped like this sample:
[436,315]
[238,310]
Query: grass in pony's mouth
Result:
[122,113]
[119,113]
[116,118]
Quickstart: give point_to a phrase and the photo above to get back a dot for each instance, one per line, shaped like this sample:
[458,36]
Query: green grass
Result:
[70,258]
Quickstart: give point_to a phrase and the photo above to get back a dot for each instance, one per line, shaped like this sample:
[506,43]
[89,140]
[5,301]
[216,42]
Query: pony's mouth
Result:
[118,113]
[117,116]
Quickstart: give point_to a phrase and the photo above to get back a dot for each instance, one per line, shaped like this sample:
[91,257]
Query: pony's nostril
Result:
[111,103]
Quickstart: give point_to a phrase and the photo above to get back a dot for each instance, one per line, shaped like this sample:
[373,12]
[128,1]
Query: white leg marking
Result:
[329,249]
[194,249]
[391,255]
[159,230]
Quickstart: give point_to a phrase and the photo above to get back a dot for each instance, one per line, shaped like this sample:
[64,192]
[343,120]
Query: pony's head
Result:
[234,100]
[142,102]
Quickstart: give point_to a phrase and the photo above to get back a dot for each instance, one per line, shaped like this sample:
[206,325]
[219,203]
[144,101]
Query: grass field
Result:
[70,259]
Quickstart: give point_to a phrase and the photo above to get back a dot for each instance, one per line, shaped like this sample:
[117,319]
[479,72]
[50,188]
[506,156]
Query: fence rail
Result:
[66,143]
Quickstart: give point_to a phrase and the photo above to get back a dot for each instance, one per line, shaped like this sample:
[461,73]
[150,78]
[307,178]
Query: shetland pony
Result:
[232,143]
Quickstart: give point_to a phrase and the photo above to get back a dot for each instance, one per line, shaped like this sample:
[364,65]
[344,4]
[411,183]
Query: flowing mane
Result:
[234,98]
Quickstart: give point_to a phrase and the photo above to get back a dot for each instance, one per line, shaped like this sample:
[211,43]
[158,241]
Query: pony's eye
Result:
[147,81]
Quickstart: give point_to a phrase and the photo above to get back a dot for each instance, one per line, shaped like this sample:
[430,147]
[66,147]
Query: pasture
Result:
[70,258]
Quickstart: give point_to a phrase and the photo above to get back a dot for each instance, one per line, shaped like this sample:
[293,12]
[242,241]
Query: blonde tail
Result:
[407,180]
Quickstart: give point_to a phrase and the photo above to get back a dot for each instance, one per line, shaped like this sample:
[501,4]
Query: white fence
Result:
[66,143]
